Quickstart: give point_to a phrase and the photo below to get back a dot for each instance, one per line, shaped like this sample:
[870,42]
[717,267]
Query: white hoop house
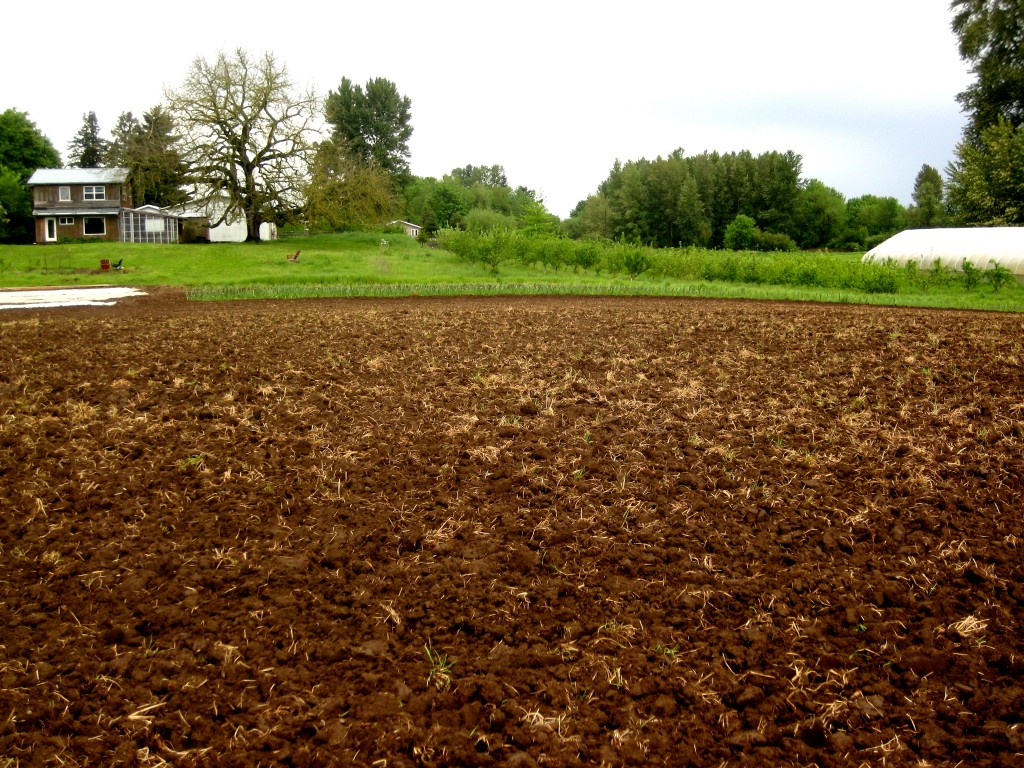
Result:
[980,245]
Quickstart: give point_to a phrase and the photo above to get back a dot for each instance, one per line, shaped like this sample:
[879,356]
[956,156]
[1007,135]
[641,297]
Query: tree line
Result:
[736,200]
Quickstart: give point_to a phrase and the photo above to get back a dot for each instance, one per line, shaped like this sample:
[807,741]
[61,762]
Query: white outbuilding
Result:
[953,246]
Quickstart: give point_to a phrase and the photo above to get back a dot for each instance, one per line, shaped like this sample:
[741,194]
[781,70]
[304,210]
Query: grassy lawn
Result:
[357,264]
[347,259]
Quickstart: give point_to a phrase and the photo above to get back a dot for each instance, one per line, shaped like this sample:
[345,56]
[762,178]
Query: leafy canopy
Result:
[23,149]
[343,194]
[985,178]
[986,181]
[990,34]
[374,123]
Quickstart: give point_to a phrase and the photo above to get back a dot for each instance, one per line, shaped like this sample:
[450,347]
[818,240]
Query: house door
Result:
[51,229]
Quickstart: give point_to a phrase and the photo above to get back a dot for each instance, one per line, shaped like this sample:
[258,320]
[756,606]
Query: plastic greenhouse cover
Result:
[981,245]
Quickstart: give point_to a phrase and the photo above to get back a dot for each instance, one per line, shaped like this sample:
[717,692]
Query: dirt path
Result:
[510,531]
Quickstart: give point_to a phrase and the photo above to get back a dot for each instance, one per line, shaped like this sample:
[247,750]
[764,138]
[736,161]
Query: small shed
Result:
[412,230]
[982,246]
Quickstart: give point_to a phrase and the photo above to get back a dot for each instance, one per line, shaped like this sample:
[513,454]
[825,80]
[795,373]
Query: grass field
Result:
[360,264]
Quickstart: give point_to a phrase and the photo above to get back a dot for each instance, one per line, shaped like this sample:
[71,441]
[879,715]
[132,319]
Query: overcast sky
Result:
[553,91]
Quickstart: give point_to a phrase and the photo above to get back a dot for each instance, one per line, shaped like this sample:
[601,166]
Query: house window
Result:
[94,193]
[65,194]
[66,221]
[94,225]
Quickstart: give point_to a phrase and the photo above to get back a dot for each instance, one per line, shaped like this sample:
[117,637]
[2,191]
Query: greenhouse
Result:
[952,247]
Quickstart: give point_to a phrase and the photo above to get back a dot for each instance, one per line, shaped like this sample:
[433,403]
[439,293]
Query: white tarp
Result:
[103,296]
[953,246]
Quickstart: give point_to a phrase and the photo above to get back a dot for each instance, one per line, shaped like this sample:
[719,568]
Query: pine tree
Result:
[88,149]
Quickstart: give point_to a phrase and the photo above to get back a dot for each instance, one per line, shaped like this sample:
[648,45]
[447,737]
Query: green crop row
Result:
[815,270]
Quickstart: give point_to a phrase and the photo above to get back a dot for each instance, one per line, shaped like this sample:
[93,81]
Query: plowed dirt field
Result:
[510,531]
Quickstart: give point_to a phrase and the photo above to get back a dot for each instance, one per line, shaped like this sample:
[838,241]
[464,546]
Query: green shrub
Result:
[773,241]
[740,234]
[879,278]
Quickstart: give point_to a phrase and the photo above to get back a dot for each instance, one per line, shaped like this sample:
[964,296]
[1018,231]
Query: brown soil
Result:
[510,531]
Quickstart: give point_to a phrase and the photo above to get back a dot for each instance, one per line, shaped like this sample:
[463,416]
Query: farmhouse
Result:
[982,246]
[79,202]
[96,203]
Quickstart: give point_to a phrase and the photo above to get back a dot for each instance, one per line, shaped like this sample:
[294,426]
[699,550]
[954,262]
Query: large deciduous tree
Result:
[985,176]
[374,123]
[870,219]
[246,137]
[986,181]
[820,215]
[991,38]
[23,149]
[88,148]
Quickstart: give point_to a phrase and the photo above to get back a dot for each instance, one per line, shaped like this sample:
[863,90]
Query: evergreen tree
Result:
[88,149]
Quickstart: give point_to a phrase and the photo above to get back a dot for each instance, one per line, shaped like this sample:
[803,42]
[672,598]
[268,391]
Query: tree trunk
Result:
[252,227]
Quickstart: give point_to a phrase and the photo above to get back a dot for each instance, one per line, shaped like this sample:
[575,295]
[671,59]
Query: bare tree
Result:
[246,135]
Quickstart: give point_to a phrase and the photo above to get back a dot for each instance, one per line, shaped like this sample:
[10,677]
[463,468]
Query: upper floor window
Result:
[94,193]
[64,194]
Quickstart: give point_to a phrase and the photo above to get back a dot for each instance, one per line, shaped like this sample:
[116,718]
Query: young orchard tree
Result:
[88,148]
[246,136]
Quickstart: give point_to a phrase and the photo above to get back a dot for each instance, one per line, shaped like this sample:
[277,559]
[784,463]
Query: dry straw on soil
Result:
[559,532]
